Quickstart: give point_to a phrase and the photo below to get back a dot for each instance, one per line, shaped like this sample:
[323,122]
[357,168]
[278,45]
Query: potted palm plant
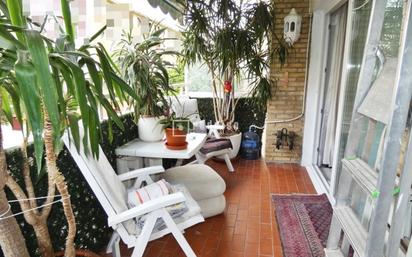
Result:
[143,66]
[232,40]
[52,85]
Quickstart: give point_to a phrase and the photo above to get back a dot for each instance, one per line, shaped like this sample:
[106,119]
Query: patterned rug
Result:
[303,222]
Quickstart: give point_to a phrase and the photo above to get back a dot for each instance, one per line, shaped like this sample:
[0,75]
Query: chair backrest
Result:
[109,190]
[185,107]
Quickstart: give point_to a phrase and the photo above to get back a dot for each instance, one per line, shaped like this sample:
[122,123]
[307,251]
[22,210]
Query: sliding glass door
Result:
[329,107]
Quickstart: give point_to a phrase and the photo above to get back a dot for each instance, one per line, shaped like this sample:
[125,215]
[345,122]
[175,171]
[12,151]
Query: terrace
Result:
[205,128]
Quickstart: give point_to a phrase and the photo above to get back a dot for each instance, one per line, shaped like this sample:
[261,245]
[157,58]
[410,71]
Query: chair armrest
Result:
[141,172]
[146,207]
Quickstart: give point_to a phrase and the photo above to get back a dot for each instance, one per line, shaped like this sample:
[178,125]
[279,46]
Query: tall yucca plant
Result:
[48,86]
[144,67]
[230,37]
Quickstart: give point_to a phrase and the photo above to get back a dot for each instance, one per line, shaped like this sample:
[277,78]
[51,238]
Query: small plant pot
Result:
[175,139]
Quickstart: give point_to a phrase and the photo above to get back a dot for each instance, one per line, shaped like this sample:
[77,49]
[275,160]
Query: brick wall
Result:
[288,95]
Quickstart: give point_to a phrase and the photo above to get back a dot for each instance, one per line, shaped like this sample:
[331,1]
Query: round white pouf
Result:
[204,184]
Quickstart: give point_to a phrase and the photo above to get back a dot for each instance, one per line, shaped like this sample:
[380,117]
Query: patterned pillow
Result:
[147,193]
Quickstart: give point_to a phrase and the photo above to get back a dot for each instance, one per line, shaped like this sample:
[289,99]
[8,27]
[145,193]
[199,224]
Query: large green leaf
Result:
[60,92]
[106,69]
[76,83]
[93,134]
[45,80]
[94,74]
[26,78]
[74,128]
[98,33]
[14,93]
[8,41]
[4,9]
[125,87]
[112,64]
[111,113]
[67,77]
[16,17]
[6,105]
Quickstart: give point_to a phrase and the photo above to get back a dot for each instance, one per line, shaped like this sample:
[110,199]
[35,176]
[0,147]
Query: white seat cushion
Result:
[193,207]
[201,180]
[212,206]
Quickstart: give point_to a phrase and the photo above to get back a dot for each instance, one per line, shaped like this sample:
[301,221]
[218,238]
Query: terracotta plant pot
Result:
[175,139]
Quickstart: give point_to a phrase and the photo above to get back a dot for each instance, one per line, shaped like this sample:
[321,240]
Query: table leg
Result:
[127,163]
[121,164]
[149,162]
[199,158]
[179,162]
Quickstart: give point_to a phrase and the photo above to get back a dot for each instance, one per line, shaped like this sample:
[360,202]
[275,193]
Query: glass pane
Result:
[377,104]
[391,28]
[336,44]
[371,143]
[198,78]
[359,31]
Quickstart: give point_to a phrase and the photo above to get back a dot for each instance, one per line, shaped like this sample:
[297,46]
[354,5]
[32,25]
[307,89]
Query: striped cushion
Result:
[147,193]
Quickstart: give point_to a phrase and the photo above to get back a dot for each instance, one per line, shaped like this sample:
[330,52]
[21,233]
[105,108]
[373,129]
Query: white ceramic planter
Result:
[236,141]
[149,129]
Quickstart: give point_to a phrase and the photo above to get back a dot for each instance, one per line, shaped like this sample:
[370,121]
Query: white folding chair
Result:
[202,158]
[186,107]
[112,195]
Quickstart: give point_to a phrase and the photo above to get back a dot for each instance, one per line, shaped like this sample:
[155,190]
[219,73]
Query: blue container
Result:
[250,146]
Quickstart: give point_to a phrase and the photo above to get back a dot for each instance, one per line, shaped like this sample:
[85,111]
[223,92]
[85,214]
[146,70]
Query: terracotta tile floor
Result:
[248,227]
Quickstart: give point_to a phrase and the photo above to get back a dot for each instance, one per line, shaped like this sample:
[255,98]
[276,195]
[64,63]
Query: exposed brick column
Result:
[288,95]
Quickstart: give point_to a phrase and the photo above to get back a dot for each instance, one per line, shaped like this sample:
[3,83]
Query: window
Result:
[198,82]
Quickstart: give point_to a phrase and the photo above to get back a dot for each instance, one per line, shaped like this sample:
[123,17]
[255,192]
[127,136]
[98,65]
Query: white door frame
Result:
[315,87]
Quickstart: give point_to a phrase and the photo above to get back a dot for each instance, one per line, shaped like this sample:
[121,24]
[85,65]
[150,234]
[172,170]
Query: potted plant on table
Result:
[176,130]
[143,66]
